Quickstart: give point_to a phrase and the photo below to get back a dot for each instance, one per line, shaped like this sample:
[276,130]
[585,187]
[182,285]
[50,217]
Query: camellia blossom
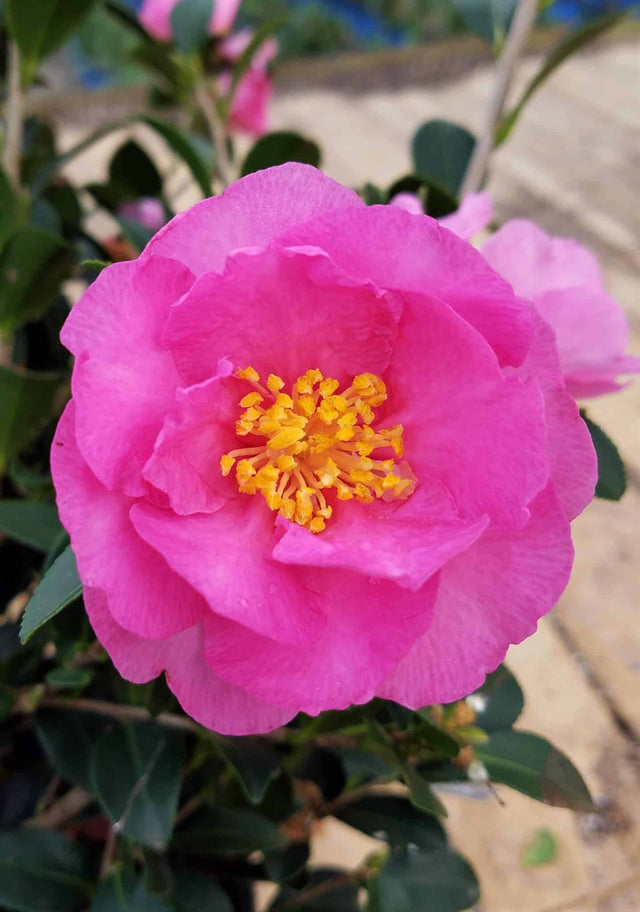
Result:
[474,213]
[147,211]
[316,452]
[155,16]
[253,94]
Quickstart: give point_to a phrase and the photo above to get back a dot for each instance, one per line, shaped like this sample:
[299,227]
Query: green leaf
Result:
[132,169]
[41,871]
[490,19]
[59,587]
[9,208]
[394,820]
[531,765]
[279,148]
[441,154]
[67,738]
[196,893]
[343,897]
[439,881]
[612,477]
[286,863]
[95,266]
[69,678]
[439,740]
[255,761]
[34,524]
[499,702]
[227,831]
[40,27]
[136,771]
[540,850]
[421,794]
[576,39]
[32,265]
[190,24]
[123,891]
[26,403]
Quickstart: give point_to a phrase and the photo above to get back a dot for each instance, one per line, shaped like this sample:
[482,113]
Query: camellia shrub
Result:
[279,491]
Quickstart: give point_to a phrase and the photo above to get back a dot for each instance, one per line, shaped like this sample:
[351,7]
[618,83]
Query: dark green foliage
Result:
[612,478]
[441,154]
[279,148]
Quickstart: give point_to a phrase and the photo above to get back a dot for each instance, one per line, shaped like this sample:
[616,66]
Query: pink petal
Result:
[144,595]
[490,596]
[387,246]
[410,202]
[481,433]
[205,697]
[592,335]
[155,16]
[282,311]
[196,433]
[406,541]
[572,458]
[474,214]
[224,15]
[371,626]
[233,47]
[226,557]
[123,381]
[249,112]
[251,213]
[534,262]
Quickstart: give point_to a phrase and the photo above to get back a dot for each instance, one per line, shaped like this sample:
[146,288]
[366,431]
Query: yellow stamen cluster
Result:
[316,440]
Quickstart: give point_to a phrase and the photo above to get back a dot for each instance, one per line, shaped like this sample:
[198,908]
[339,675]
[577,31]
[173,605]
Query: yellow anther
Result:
[226,464]
[316,445]
[274,383]
[249,373]
[251,399]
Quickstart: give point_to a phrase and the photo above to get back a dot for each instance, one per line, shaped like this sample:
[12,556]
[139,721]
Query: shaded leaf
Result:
[531,765]
[59,587]
[132,169]
[499,702]
[124,891]
[490,19]
[342,897]
[439,881]
[136,772]
[69,678]
[612,478]
[394,820]
[196,893]
[279,148]
[40,27]
[439,740]
[190,24]
[67,739]
[285,863]
[441,154]
[32,265]
[41,870]
[421,794]
[9,208]
[34,524]
[255,761]
[227,831]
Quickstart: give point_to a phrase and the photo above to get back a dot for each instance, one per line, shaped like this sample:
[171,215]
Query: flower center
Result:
[317,440]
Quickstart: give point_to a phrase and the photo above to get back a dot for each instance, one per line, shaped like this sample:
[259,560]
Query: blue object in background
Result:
[365,26]
[577,12]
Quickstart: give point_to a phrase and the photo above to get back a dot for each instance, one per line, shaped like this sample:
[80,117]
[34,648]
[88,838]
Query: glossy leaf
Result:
[227,831]
[34,524]
[124,891]
[341,897]
[194,892]
[190,24]
[531,765]
[32,265]
[439,881]
[136,772]
[441,154]
[133,170]
[67,738]
[612,477]
[255,761]
[279,148]
[395,820]
[284,864]
[490,19]
[59,587]
[26,403]
[574,41]
[499,702]
[421,794]
[41,871]
[40,27]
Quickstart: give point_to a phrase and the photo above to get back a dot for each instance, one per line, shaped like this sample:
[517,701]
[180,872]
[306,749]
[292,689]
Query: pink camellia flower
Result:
[148,212]
[316,452]
[253,95]
[474,213]
[564,281]
[155,16]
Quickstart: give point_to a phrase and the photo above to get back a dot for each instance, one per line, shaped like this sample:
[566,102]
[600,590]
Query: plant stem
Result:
[207,100]
[62,810]
[14,117]
[310,894]
[109,853]
[523,21]
[121,711]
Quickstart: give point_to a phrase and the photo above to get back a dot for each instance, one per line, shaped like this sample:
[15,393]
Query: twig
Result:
[310,894]
[330,808]
[523,21]
[120,711]
[109,852]
[62,810]
[14,116]
[206,98]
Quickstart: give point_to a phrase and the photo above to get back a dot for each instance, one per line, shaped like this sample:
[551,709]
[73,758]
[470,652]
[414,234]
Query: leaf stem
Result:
[523,21]
[206,96]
